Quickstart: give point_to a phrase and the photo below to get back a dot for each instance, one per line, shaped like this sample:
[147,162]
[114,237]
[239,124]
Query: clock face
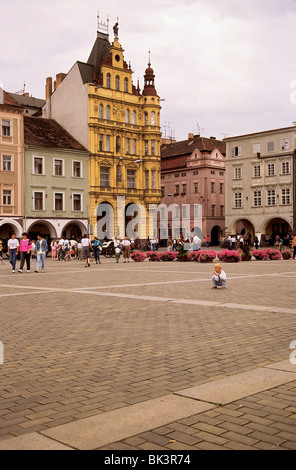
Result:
[117,58]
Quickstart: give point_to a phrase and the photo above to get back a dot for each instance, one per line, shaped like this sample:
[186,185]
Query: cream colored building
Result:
[260,183]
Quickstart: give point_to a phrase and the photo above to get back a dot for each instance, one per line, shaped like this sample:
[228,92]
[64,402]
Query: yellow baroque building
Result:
[122,133]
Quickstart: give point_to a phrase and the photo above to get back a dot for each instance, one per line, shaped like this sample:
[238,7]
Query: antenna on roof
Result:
[102,27]
[23,91]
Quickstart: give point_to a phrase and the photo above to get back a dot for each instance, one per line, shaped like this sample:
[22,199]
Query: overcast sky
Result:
[223,65]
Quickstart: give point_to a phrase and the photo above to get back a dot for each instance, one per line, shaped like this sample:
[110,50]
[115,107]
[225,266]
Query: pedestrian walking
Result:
[41,249]
[294,247]
[86,250]
[13,249]
[117,253]
[25,250]
[97,246]
[54,249]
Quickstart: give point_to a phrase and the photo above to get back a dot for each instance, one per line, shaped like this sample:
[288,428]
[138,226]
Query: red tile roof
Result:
[186,147]
[9,100]
[48,133]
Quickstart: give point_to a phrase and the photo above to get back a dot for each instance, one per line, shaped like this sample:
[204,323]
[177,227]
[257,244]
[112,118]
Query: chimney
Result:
[48,88]
[59,78]
[190,136]
[213,138]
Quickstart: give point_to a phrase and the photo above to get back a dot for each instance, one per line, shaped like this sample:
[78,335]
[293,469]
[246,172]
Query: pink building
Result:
[193,172]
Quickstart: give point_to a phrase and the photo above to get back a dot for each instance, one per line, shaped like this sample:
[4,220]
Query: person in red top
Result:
[25,251]
[294,246]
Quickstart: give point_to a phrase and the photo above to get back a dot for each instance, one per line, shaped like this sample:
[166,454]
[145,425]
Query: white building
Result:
[260,186]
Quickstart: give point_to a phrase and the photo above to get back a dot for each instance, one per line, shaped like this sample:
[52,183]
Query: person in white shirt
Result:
[219,278]
[13,249]
[196,243]
[126,249]
[86,247]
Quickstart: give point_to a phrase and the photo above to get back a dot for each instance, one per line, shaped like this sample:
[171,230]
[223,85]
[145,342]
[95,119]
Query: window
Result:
[105,176]
[127,116]
[58,201]
[221,173]
[286,196]
[108,80]
[38,201]
[213,211]
[117,83]
[77,170]
[213,172]
[257,171]
[146,119]
[221,188]
[153,118]
[146,147]
[134,147]
[195,188]
[271,197]
[177,211]
[270,146]
[6,163]
[183,175]
[256,148]
[152,147]
[237,173]
[257,198]
[131,179]
[195,173]
[271,169]
[238,200]
[126,85]
[153,179]
[184,211]
[108,143]
[285,144]
[101,142]
[134,117]
[108,113]
[101,111]
[285,168]
[222,211]
[212,187]
[147,179]
[77,202]
[236,151]
[38,166]
[6,128]
[177,192]
[7,197]
[58,167]
[128,146]
[184,188]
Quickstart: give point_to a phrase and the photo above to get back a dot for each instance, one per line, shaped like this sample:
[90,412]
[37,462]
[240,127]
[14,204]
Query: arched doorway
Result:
[44,228]
[105,221]
[274,227]
[242,226]
[215,235]
[6,229]
[74,230]
[133,221]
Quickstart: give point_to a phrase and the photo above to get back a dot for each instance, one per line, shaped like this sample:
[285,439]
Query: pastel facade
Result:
[260,196]
[193,172]
[11,167]
[99,105]
[56,175]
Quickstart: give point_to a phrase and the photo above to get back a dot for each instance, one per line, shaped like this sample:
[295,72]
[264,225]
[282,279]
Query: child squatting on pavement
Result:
[219,277]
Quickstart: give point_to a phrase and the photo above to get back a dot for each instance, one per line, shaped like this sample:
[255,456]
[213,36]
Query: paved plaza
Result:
[147,356]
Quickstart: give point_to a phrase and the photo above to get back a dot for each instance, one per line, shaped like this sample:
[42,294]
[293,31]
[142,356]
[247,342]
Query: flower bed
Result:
[153,256]
[168,256]
[273,254]
[230,256]
[267,255]
[260,255]
[206,256]
[139,257]
[286,254]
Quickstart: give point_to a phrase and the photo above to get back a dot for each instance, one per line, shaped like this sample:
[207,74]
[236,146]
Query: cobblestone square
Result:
[95,343]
